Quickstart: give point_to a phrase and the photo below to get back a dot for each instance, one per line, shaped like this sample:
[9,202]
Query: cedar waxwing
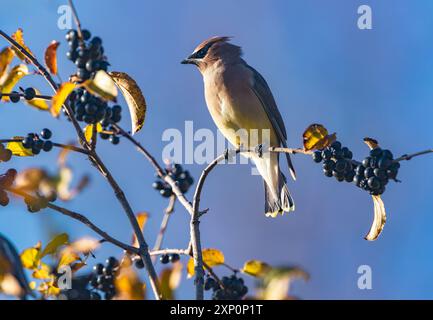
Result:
[239,100]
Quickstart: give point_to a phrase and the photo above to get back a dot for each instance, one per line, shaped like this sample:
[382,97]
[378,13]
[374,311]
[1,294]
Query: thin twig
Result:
[76,20]
[413,155]
[79,217]
[37,96]
[167,213]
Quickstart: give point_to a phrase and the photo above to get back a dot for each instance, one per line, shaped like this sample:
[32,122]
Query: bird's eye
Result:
[201,53]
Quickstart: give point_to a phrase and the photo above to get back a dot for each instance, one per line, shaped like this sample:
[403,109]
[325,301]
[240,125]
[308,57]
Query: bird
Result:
[240,100]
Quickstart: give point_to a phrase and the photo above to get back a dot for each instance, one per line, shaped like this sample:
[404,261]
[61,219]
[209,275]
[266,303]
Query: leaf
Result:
[30,258]
[128,284]
[102,85]
[18,36]
[51,57]
[211,257]
[44,272]
[277,282]
[12,79]
[170,280]
[67,257]
[141,219]
[55,244]
[30,179]
[88,131]
[256,268]
[379,219]
[39,104]
[18,149]
[133,97]
[316,137]
[6,57]
[60,97]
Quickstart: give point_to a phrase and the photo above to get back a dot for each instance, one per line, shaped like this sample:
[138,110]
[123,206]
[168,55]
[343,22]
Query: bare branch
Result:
[79,217]
[413,155]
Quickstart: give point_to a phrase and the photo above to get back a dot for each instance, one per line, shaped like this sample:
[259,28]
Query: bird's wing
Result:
[264,94]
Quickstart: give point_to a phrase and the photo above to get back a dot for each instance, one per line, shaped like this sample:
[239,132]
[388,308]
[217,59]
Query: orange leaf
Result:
[51,57]
[141,219]
[60,97]
[18,37]
[6,57]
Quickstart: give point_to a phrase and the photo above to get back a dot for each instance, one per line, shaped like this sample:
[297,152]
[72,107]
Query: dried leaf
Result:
[12,79]
[102,85]
[18,36]
[256,268]
[316,137]
[141,219]
[170,280]
[55,244]
[51,57]
[6,57]
[133,97]
[88,131]
[39,104]
[18,149]
[379,219]
[30,179]
[60,97]
[211,257]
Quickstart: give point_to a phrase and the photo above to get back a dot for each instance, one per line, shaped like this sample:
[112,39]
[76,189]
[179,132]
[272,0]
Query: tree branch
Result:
[413,155]
[55,144]
[167,213]
[79,217]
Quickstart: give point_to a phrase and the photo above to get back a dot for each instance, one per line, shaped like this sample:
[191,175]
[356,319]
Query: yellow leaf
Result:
[102,85]
[39,104]
[55,244]
[141,219]
[379,219]
[30,258]
[133,97]
[32,285]
[169,280]
[44,272]
[18,37]
[6,57]
[88,131]
[211,257]
[12,79]
[316,137]
[51,57]
[60,97]
[128,285]
[18,149]
[277,282]
[67,257]
[256,268]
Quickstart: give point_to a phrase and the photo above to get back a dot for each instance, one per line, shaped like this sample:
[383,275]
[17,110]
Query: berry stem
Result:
[55,144]
[79,217]
[164,223]
[42,97]
[76,20]
[413,155]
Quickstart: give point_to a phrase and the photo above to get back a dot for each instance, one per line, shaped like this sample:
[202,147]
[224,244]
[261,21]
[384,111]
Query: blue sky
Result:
[321,69]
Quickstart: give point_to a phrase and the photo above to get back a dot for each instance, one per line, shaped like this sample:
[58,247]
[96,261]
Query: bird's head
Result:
[212,50]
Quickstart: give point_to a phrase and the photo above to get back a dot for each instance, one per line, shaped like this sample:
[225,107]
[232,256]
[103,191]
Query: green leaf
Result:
[55,244]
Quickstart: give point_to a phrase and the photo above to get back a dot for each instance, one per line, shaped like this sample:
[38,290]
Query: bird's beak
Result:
[188,60]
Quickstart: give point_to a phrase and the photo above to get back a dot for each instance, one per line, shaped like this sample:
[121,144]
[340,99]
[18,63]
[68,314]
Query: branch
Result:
[55,144]
[37,96]
[413,155]
[76,20]
[168,211]
[79,217]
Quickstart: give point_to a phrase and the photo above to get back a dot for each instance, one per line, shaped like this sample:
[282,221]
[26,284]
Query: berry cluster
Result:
[166,258]
[88,56]
[103,277]
[6,181]
[376,170]
[79,290]
[231,288]
[372,175]
[38,142]
[5,154]
[182,178]
[337,162]
[15,96]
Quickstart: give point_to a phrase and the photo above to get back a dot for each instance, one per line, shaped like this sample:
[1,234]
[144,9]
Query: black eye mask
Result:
[201,53]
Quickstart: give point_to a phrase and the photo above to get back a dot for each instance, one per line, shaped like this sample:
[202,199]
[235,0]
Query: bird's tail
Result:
[280,200]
